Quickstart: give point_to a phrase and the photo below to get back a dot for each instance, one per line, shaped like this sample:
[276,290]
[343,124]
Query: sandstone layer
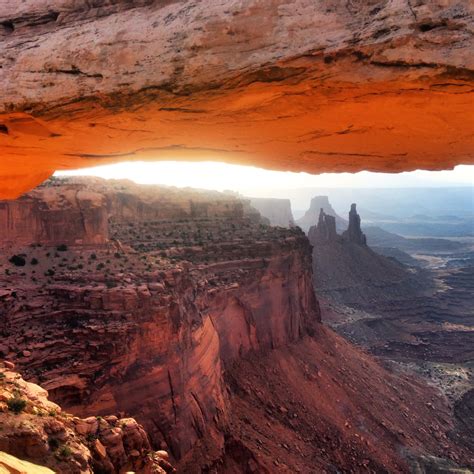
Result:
[35,429]
[201,322]
[145,323]
[303,86]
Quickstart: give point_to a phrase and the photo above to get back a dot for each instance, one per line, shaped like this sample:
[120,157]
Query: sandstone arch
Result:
[302,85]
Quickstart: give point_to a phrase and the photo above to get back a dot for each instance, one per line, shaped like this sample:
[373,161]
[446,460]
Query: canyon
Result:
[302,86]
[155,308]
[177,327]
[199,320]
[415,316]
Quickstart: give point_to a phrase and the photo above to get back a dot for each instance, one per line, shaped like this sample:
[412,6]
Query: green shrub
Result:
[64,451]
[91,437]
[17,260]
[53,444]
[34,261]
[16,404]
[62,248]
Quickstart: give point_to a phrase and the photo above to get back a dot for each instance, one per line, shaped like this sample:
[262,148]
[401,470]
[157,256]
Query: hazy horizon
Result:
[222,176]
[256,182]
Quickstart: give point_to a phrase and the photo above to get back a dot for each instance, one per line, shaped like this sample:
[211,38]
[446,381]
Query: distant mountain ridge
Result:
[395,202]
[277,211]
[348,271]
[311,216]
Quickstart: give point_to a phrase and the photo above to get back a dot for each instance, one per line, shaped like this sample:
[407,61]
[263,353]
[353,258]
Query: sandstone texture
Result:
[36,429]
[11,465]
[76,216]
[303,86]
[146,323]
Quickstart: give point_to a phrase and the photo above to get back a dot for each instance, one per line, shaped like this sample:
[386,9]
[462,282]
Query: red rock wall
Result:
[74,217]
[157,350]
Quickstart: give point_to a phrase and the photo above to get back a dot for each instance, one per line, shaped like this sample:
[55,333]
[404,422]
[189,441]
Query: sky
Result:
[254,181]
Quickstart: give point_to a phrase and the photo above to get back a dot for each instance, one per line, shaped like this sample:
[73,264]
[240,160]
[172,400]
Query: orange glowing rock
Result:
[332,86]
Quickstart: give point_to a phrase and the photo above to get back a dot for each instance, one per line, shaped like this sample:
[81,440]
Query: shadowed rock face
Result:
[36,429]
[354,233]
[347,271]
[327,86]
[325,230]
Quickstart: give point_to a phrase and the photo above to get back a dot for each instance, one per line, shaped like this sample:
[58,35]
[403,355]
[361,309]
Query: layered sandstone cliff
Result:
[326,86]
[146,324]
[201,322]
[55,216]
[36,429]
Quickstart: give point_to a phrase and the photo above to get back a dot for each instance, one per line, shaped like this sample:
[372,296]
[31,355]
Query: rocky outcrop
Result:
[36,429]
[325,230]
[277,211]
[354,233]
[312,215]
[347,271]
[302,86]
[54,217]
[147,324]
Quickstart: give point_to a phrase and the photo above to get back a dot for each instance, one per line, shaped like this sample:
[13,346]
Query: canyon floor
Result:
[429,333]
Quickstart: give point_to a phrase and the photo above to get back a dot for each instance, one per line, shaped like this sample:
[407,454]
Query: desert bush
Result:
[16,404]
[17,260]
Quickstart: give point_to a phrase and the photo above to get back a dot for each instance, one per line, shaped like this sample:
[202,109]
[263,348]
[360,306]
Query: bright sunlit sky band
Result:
[255,181]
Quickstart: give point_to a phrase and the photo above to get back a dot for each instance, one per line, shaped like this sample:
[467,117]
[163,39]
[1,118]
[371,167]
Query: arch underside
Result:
[291,87]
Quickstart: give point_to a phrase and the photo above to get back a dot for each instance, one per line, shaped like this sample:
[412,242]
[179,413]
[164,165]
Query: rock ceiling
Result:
[302,85]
